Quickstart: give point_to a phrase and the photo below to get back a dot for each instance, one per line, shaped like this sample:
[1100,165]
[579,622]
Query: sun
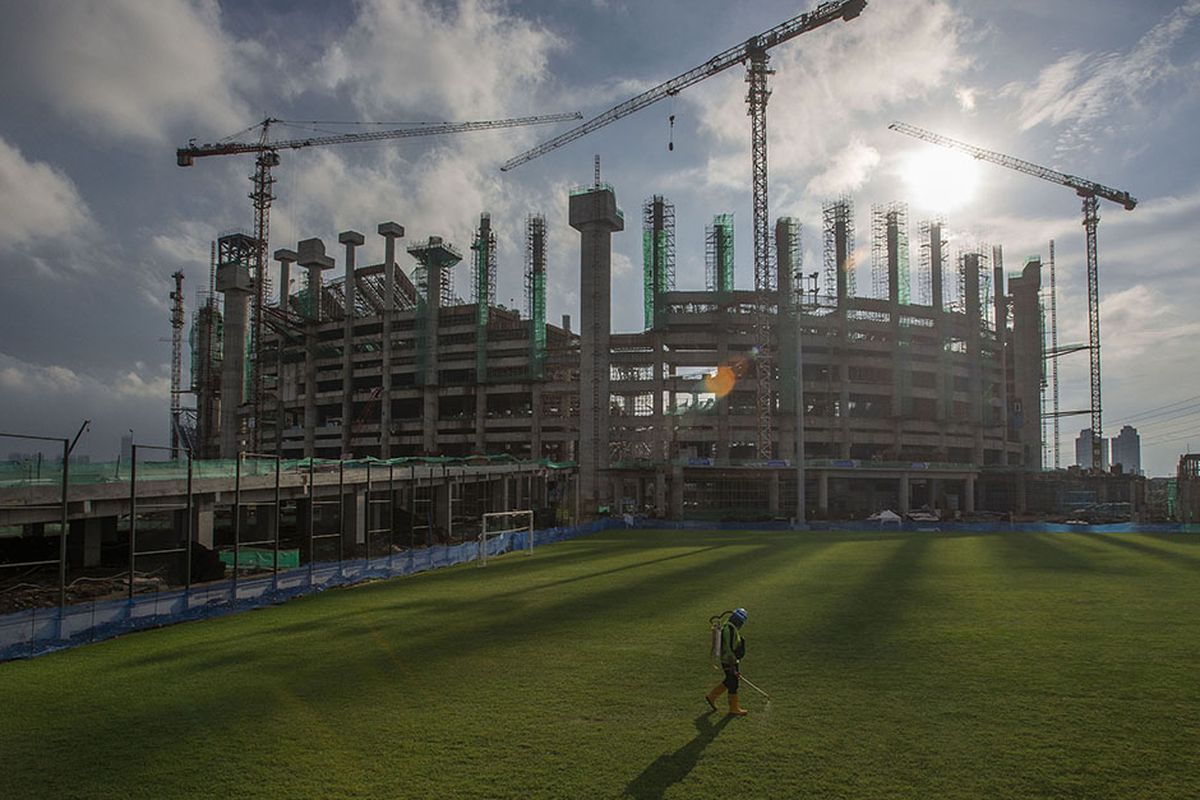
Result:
[940,180]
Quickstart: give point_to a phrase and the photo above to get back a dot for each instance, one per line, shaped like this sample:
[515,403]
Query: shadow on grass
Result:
[860,625]
[1042,552]
[671,768]
[1170,556]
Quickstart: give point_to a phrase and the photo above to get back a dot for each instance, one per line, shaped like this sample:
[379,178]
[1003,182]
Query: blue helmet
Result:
[738,617]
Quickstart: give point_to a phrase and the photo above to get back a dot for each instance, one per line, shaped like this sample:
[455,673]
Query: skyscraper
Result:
[1127,450]
[1083,450]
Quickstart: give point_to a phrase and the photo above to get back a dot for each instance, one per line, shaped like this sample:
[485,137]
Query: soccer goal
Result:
[498,523]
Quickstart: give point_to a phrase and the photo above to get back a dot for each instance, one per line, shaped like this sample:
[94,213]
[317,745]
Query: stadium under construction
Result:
[926,393]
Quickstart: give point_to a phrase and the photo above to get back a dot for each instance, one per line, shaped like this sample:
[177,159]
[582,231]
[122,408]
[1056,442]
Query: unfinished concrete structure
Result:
[916,396]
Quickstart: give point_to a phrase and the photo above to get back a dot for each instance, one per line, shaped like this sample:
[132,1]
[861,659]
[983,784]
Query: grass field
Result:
[901,665]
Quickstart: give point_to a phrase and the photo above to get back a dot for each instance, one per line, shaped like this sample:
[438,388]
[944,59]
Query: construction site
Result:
[909,373]
[925,393]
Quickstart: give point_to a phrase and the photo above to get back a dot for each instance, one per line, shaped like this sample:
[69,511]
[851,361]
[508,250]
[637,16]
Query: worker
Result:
[733,648]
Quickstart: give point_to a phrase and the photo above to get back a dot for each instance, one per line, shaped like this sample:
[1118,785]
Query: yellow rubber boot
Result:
[735,708]
[712,696]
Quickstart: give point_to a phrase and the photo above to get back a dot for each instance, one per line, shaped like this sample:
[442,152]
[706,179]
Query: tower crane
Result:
[267,151]
[752,53]
[1090,191]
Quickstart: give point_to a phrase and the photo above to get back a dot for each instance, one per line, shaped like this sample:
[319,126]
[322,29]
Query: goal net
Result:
[498,525]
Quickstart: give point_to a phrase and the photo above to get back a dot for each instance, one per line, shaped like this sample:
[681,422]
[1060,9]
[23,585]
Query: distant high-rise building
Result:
[1083,451]
[1127,450]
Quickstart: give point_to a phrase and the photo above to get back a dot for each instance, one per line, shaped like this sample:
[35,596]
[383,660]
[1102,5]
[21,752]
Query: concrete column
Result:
[285,258]
[823,493]
[596,216]
[202,520]
[905,494]
[311,256]
[969,494]
[677,492]
[354,529]
[773,494]
[660,492]
[84,540]
[936,500]
[535,432]
[480,418]
[233,280]
[390,232]
[1022,502]
[351,239]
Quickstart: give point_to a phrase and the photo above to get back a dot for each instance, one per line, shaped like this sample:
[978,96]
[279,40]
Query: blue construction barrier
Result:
[37,631]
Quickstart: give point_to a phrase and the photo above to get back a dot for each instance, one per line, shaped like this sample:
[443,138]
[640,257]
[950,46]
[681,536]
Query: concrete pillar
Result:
[773,494]
[823,493]
[660,492]
[595,215]
[969,494]
[1022,501]
[233,280]
[202,520]
[390,232]
[677,492]
[351,239]
[311,256]
[905,494]
[480,418]
[84,540]
[936,500]
[285,258]
[354,527]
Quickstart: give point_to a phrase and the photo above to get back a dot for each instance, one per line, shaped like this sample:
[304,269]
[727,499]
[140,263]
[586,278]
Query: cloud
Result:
[965,95]
[828,80]
[51,400]
[37,201]
[467,60]
[1082,90]
[847,171]
[126,68]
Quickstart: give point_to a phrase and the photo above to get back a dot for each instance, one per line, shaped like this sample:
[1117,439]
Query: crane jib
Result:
[738,54]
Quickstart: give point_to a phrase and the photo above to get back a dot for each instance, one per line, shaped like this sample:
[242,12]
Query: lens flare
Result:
[721,382]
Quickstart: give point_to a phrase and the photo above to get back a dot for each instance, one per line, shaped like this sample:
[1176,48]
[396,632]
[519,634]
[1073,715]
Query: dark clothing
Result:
[731,679]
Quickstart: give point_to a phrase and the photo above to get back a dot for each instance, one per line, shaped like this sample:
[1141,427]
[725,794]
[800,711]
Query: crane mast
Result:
[753,54]
[263,195]
[1090,191]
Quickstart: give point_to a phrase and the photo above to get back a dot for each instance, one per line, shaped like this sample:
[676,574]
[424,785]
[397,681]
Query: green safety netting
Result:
[29,473]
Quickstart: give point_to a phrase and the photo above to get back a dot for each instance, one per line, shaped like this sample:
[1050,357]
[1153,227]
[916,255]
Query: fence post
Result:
[62,542]
[341,514]
[237,520]
[187,577]
[312,510]
[132,517]
[275,532]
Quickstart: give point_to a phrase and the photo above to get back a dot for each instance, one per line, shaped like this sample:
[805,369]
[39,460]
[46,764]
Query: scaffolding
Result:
[483,279]
[889,251]
[838,217]
[535,291]
[931,261]
[658,254]
[718,254]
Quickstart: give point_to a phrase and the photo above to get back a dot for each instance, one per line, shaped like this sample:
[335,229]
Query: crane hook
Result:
[671,139]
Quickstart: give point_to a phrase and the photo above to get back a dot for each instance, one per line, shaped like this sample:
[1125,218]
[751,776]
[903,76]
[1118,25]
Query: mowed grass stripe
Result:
[902,665]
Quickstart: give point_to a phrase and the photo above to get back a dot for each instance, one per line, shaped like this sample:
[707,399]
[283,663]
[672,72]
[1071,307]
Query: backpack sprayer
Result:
[716,623]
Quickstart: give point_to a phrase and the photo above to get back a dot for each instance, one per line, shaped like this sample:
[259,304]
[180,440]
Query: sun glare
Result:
[940,180]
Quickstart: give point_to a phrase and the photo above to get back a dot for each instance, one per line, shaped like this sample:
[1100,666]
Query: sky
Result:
[95,215]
